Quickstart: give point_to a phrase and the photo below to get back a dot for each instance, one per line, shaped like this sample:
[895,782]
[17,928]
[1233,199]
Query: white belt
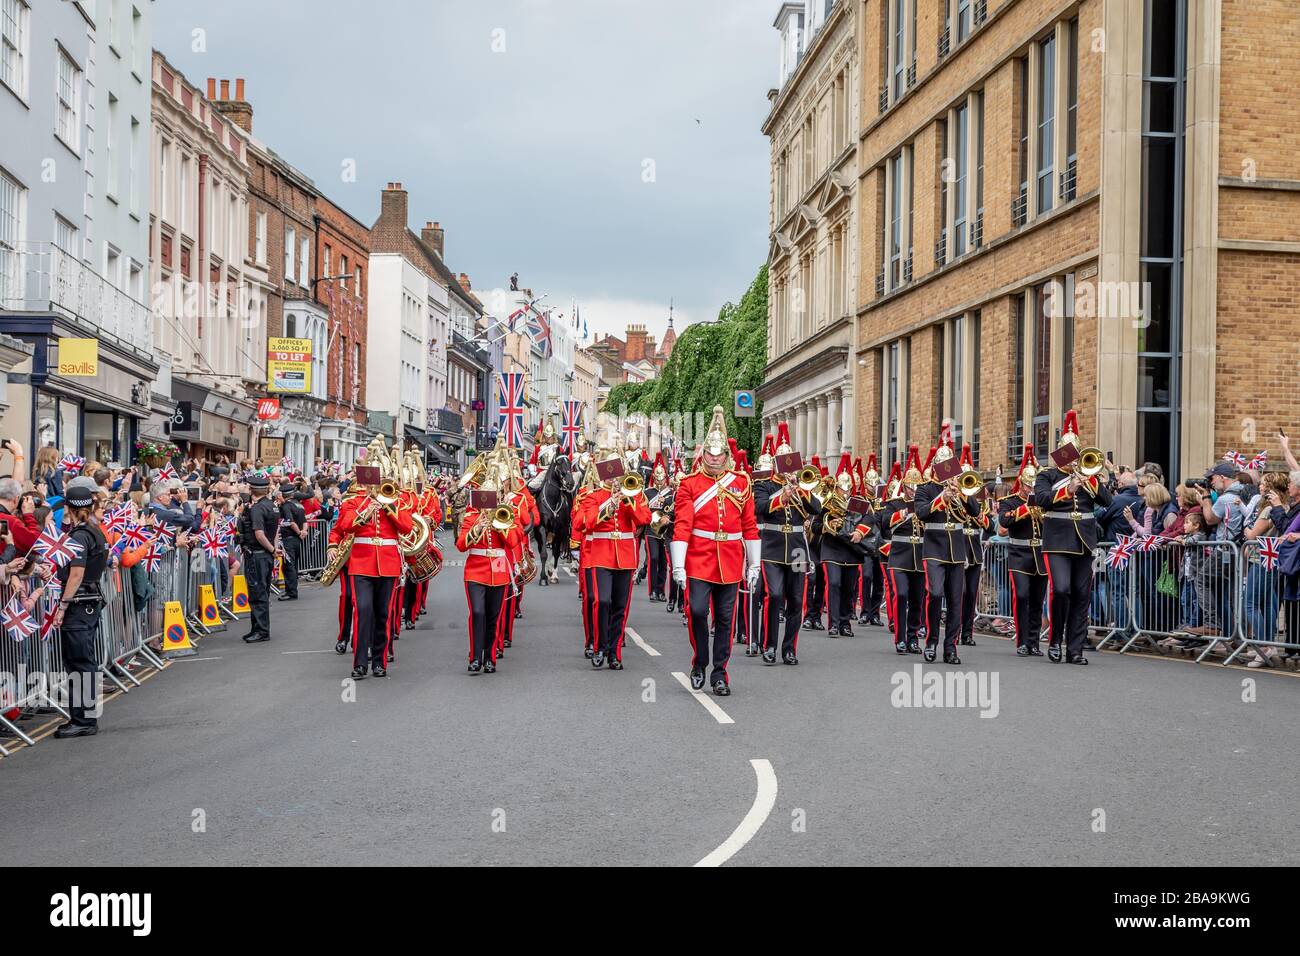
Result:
[716,535]
[488,552]
[612,535]
[783,528]
[377,542]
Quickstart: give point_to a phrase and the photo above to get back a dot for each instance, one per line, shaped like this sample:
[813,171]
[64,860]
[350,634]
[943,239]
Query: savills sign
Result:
[79,358]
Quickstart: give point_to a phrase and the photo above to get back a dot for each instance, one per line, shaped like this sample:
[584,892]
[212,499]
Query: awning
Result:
[432,450]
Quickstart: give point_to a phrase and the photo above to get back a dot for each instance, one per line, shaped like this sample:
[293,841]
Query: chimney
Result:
[636,336]
[237,110]
[433,234]
[392,205]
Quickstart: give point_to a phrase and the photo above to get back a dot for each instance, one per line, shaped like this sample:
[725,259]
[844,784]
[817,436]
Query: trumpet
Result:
[969,483]
[808,478]
[502,518]
[631,484]
[1091,462]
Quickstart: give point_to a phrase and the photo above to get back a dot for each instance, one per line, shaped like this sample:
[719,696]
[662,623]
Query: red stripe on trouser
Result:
[887,585]
[595,613]
[1015,613]
[732,636]
[928,636]
[767,599]
[356,621]
[622,634]
[1050,591]
[469,604]
[690,626]
[343,603]
[900,635]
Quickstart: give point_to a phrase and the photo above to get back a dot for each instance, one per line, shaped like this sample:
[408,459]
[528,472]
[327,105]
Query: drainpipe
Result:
[202,242]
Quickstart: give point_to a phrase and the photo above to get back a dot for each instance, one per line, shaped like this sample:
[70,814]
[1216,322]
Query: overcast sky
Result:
[527,128]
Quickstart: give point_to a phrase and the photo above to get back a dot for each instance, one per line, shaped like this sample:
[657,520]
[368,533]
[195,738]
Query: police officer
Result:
[77,615]
[257,527]
[293,529]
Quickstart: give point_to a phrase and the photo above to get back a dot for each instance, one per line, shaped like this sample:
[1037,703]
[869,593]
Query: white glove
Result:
[679,575]
[751,578]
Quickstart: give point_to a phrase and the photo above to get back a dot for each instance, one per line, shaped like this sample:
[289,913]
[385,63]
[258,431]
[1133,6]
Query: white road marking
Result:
[327,650]
[568,571]
[718,713]
[640,642]
[177,660]
[764,801]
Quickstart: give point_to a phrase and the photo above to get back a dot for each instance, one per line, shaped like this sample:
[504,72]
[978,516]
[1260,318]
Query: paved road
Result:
[572,766]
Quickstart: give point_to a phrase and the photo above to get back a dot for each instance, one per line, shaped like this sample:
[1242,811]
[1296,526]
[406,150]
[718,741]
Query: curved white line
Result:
[764,801]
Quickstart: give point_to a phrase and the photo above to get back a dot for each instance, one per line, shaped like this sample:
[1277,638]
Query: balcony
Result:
[41,277]
[981,11]
[444,421]
[1019,207]
[941,249]
[883,99]
[907,267]
[911,74]
[977,230]
[945,43]
[880,284]
[1069,181]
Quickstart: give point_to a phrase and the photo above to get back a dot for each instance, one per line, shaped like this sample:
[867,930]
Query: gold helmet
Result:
[549,435]
[715,439]
[767,456]
[783,446]
[1070,431]
[913,473]
[1028,473]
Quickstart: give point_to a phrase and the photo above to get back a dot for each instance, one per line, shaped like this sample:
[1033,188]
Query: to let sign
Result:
[288,365]
[79,357]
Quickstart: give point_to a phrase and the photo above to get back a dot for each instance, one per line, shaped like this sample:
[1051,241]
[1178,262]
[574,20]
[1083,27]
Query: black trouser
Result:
[906,595]
[613,588]
[590,628]
[873,584]
[943,583]
[657,550]
[704,596]
[485,602]
[79,640]
[410,601]
[1071,578]
[371,602]
[841,588]
[258,575]
[970,598]
[1027,591]
[345,608]
[784,587]
[817,591]
[757,606]
[743,604]
[292,558]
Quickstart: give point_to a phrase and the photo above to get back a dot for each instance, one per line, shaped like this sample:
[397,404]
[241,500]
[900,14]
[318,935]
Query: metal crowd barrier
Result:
[314,546]
[32,674]
[1260,618]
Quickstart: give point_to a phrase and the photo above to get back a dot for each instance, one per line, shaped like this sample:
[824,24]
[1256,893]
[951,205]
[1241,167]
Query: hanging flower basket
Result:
[154,453]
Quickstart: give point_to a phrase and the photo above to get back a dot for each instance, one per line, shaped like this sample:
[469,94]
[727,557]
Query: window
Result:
[1046,115]
[1041,404]
[304,262]
[65,235]
[1017,442]
[68,123]
[328,263]
[897,65]
[12,199]
[164,185]
[138,47]
[343,270]
[183,194]
[110,182]
[13,45]
[900,27]
[898,225]
[112,266]
[1071,98]
[959,146]
[893,378]
[1022,73]
[290,325]
[290,240]
[963,19]
[133,144]
[260,240]
[359,285]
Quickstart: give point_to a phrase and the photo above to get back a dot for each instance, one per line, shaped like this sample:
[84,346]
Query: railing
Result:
[1069,178]
[880,284]
[911,74]
[41,277]
[907,268]
[977,230]
[945,43]
[981,11]
[1019,208]
[883,99]
[941,248]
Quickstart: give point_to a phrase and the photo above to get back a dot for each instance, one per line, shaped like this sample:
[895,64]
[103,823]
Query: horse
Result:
[554,495]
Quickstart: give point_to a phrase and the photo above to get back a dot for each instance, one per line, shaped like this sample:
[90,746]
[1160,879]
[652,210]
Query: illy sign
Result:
[268,408]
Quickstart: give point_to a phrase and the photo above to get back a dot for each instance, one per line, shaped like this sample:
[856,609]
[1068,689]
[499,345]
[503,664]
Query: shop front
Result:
[211,425]
[88,395]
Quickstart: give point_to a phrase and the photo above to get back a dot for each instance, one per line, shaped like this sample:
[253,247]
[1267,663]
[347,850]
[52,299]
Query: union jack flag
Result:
[1259,462]
[571,426]
[288,464]
[1268,553]
[166,537]
[47,625]
[1149,542]
[214,544]
[116,519]
[135,535]
[56,548]
[152,558]
[1119,554]
[539,330]
[72,462]
[510,400]
[54,589]
[1235,458]
[167,473]
[17,621]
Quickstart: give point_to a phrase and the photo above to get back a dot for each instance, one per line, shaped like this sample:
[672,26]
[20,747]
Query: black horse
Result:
[554,497]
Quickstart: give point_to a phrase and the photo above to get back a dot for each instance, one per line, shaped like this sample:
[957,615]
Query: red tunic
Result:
[714,527]
[578,528]
[613,541]
[488,560]
[375,551]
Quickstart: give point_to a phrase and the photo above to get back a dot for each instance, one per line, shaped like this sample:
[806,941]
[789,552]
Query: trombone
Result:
[1091,462]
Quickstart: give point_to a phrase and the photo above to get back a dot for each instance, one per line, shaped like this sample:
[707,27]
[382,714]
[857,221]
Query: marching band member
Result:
[839,560]
[489,574]
[904,533]
[656,547]
[344,639]
[374,566]
[715,544]
[1023,521]
[431,507]
[873,571]
[580,539]
[781,507]
[817,582]
[943,509]
[521,500]
[612,516]
[1067,497]
[974,533]
[676,593]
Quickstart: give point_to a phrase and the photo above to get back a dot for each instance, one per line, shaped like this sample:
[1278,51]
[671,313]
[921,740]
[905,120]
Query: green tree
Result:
[709,362]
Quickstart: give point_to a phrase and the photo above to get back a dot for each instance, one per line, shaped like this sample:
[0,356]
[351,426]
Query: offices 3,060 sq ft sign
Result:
[288,366]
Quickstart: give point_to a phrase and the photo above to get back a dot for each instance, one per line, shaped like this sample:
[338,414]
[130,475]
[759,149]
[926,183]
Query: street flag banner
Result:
[539,330]
[510,401]
[571,426]
[176,636]
[238,594]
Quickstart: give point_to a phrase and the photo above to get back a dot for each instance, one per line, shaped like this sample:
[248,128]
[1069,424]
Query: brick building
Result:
[1078,204]
[342,263]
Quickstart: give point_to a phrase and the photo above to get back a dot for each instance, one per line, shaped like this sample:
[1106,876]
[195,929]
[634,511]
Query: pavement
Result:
[259,755]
